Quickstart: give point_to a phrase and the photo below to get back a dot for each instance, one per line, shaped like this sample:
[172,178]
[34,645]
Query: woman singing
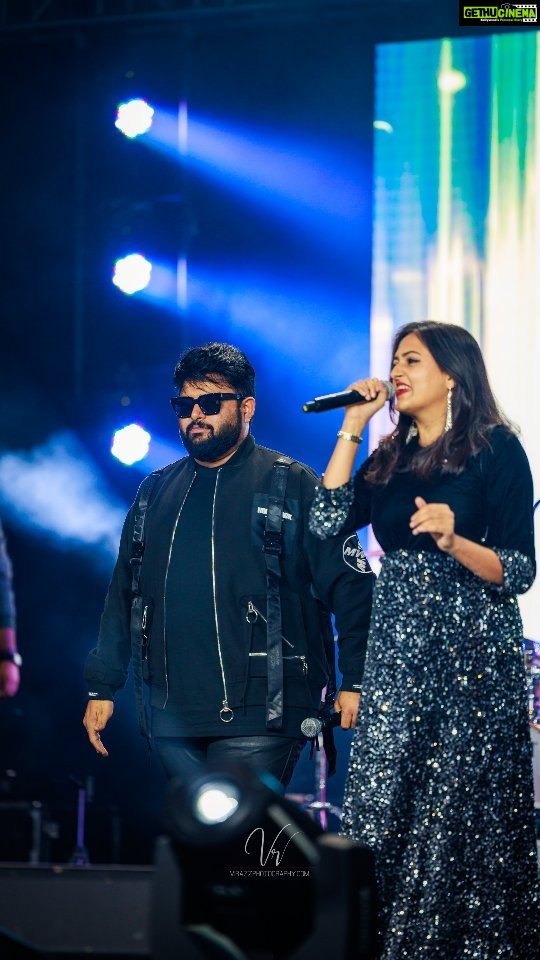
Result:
[440,772]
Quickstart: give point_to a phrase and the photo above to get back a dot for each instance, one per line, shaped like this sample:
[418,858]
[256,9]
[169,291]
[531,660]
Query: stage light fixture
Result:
[132,273]
[130,444]
[241,865]
[451,81]
[134,118]
[216,802]
[217,806]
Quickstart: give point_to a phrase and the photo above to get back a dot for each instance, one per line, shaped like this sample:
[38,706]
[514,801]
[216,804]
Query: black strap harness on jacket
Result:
[273,547]
[137,625]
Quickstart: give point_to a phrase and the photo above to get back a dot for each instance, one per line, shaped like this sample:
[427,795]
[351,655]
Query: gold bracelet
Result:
[349,436]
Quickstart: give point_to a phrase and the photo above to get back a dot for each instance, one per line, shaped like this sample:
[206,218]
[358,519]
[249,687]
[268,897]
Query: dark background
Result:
[74,192]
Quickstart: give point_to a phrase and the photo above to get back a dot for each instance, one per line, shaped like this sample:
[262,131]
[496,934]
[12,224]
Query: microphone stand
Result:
[320,806]
[80,856]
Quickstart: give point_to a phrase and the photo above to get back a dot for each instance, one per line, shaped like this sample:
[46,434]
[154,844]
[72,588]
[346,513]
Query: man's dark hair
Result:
[216,362]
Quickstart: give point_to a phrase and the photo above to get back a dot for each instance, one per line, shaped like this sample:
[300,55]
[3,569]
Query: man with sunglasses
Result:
[234,595]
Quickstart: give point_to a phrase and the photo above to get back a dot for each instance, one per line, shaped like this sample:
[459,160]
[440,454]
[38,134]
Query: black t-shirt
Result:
[195,686]
[195,682]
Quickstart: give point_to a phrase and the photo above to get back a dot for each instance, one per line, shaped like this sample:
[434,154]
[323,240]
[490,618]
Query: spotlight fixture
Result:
[216,802]
[241,865]
[130,444]
[134,118]
[132,273]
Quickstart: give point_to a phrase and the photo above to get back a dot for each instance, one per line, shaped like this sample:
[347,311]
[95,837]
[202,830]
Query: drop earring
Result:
[449,422]
[412,432]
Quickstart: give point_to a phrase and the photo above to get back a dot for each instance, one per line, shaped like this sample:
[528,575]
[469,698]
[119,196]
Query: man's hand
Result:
[347,703]
[98,713]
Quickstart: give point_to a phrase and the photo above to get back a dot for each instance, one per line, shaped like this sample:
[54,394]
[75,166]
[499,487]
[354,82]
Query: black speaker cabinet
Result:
[68,911]
[21,831]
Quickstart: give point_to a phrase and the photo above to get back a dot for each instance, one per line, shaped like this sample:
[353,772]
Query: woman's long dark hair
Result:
[474,408]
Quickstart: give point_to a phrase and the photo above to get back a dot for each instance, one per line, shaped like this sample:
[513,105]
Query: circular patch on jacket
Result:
[354,556]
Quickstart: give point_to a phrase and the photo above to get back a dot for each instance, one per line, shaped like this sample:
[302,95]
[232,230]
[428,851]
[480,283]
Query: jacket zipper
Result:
[144,643]
[251,616]
[296,656]
[226,714]
[165,592]
[253,613]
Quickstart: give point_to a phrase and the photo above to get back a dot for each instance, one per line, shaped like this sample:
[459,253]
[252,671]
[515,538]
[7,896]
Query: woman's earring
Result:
[449,422]
[412,432]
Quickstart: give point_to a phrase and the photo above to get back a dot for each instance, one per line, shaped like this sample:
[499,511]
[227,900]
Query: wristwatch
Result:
[12,656]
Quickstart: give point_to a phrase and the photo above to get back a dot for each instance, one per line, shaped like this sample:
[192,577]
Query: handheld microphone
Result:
[311,727]
[331,401]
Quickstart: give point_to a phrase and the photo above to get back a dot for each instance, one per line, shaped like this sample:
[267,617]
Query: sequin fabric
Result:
[440,773]
[330,509]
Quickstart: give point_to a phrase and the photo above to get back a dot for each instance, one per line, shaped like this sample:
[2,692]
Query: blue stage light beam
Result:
[160,453]
[167,285]
[310,180]
[297,172]
[299,322]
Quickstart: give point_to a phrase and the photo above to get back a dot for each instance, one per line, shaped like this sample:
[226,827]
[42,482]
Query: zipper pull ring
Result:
[252,613]
[226,714]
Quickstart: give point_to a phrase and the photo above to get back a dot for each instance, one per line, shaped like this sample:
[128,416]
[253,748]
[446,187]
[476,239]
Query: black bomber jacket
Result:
[318,577]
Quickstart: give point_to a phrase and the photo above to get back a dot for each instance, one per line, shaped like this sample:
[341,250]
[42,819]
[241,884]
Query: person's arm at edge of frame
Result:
[10,674]
[10,663]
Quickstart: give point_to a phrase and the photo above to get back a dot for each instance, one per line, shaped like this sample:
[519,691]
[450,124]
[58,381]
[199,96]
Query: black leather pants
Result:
[278,756]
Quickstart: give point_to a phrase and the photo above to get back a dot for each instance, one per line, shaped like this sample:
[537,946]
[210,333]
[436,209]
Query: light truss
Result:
[39,15]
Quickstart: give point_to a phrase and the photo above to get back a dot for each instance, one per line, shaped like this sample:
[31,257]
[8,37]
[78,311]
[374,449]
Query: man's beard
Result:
[215,446]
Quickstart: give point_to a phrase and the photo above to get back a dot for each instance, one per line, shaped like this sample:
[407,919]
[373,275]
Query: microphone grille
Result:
[310,727]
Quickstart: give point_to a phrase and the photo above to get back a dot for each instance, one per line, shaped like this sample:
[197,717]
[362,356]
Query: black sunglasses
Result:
[209,403]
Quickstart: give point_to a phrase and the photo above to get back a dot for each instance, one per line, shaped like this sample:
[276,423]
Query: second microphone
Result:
[312,726]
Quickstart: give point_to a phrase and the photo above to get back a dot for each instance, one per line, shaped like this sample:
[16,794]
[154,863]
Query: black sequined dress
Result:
[440,771]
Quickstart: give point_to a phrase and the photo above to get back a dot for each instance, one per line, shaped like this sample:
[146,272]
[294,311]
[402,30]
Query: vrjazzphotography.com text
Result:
[269,873]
